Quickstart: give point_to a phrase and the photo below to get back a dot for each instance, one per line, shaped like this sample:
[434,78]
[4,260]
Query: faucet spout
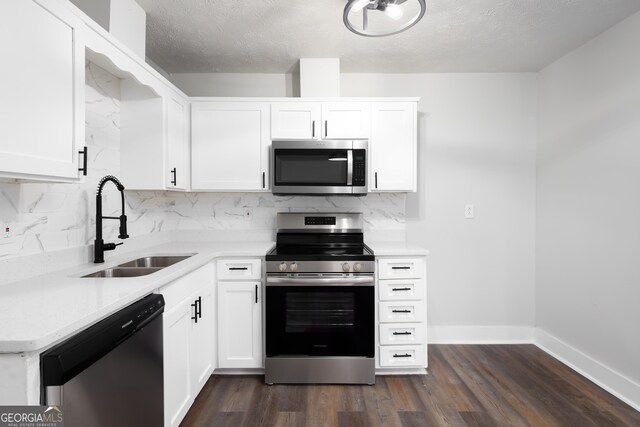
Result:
[100,247]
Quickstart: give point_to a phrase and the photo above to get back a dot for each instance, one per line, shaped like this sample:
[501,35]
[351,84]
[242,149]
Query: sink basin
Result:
[141,266]
[155,261]
[124,272]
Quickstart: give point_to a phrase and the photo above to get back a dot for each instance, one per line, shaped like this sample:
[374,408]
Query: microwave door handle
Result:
[349,167]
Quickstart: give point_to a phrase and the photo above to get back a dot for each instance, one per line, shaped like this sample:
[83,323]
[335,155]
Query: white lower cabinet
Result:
[187,341]
[402,317]
[239,325]
[240,313]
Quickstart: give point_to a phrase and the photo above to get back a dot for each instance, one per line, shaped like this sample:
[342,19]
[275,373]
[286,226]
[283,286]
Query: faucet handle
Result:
[110,246]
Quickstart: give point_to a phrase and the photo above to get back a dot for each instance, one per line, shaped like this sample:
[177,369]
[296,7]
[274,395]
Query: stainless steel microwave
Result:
[329,167]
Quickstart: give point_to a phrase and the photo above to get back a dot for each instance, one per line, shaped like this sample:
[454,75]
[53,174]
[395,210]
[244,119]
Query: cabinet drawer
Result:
[403,355]
[409,268]
[407,289]
[230,269]
[402,333]
[401,311]
[184,287]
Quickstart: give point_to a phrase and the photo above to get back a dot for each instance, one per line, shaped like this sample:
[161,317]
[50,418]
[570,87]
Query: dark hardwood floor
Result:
[467,385]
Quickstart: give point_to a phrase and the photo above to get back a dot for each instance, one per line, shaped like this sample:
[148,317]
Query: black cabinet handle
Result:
[313,129]
[175,177]
[84,168]
[402,355]
[195,311]
[401,311]
[256,294]
[376,179]
[401,289]
[200,307]
[326,128]
[401,268]
[402,333]
[237,268]
[264,182]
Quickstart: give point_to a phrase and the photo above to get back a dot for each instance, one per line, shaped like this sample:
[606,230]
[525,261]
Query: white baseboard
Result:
[480,335]
[610,380]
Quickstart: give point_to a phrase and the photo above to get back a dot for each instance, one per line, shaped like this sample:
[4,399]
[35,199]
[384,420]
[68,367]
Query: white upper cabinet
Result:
[177,161]
[295,120]
[320,120]
[154,135]
[346,120]
[42,87]
[230,146]
[393,147]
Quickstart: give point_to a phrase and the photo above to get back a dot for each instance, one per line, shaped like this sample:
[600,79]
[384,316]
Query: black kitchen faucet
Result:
[100,246]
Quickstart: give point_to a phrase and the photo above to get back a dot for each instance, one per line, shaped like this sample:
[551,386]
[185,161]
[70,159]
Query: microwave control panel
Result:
[359,168]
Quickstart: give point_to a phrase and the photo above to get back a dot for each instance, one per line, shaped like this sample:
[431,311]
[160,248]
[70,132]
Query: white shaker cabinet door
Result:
[295,120]
[230,146]
[239,325]
[393,147]
[345,120]
[42,87]
[177,164]
[177,384]
[202,340]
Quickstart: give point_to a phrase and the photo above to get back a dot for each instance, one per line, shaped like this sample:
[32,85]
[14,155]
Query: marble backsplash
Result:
[52,217]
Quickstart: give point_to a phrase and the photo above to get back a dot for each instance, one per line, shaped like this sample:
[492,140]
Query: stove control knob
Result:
[294,266]
[346,267]
[283,266]
[357,267]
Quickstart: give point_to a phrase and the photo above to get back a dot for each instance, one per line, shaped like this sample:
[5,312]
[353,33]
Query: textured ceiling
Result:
[269,36]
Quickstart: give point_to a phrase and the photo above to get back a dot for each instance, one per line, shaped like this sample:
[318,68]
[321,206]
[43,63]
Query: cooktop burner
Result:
[320,242]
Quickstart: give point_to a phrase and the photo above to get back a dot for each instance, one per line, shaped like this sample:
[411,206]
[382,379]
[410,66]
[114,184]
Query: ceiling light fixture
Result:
[378,18]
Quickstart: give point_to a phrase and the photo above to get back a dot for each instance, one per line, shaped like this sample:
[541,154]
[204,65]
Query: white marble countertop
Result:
[396,249]
[41,311]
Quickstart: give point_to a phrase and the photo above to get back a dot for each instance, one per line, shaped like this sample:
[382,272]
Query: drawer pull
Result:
[237,268]
[402,333]
[402,355]
[401,289]
[401,268]
[401,311]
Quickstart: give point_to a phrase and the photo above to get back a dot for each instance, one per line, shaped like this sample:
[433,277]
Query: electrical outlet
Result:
[469,211]
[247,213]
[6,229]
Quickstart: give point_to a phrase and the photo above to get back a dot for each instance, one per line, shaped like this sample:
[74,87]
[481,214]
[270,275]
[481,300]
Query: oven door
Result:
[320,316]
[318,167]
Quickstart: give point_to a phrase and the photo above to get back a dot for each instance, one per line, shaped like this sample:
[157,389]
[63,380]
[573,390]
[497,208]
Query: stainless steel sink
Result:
[140,267]
[155,261]
[124,272]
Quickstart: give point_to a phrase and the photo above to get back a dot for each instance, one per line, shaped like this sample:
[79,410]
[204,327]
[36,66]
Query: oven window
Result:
[310,167]
[320,312]
[320,321]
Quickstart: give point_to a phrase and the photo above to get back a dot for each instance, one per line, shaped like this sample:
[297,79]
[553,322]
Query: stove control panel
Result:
[303,266]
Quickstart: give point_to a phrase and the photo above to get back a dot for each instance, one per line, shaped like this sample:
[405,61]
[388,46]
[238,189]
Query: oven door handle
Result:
[349,167]
[323,281]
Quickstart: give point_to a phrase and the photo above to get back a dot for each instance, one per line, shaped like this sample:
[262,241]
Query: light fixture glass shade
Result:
[378,18]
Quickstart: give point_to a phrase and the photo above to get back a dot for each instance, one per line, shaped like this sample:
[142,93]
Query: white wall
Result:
[241,84]
[477,139]
[588,217]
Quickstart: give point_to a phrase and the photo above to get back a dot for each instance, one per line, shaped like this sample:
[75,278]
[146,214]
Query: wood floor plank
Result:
[467,385]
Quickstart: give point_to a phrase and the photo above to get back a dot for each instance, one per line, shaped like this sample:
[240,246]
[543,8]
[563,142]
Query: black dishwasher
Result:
[110,374]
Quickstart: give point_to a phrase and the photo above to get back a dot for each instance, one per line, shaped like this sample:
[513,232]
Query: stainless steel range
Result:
[320,301]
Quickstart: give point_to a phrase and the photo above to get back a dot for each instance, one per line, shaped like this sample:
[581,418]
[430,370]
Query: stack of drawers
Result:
[402,297]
